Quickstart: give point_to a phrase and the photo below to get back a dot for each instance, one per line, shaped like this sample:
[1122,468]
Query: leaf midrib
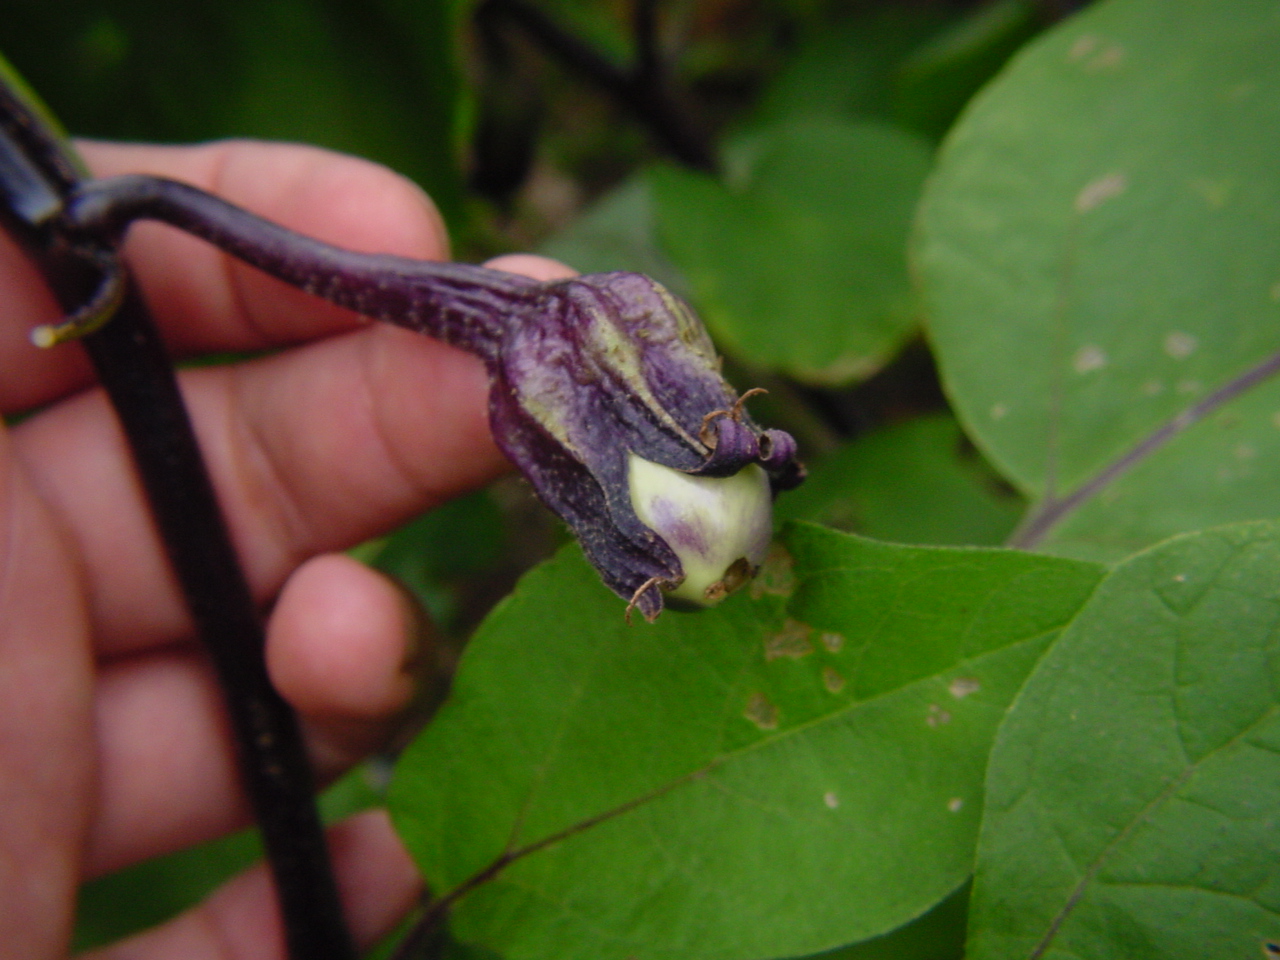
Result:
[510,855]
[1051,511]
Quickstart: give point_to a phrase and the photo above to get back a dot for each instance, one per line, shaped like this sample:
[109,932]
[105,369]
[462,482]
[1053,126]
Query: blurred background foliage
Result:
[706,142]
[762,157]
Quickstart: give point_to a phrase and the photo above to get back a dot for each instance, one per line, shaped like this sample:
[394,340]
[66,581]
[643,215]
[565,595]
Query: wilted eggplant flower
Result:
[606,391]
[608,397]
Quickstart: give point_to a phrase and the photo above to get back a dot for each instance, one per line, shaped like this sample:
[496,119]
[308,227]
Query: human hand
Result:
[112,744]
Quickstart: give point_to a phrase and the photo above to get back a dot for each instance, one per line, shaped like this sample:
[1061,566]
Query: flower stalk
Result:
[585,374]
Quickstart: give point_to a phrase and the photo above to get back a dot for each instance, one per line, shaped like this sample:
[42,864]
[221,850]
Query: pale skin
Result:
[112,747]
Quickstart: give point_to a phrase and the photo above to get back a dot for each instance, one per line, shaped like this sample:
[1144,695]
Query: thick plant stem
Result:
[138,377]
[133,368]
[38,171]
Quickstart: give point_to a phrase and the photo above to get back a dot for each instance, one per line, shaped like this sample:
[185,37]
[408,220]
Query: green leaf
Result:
[797,262]
[794,770]
[939,77]
[1098,253]
[913,482]
[434,554]
[848,69]
[618,232]
[936,935]
[1133,800]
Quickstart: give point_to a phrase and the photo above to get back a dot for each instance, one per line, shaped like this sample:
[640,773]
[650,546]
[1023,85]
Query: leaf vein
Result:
[1175,784]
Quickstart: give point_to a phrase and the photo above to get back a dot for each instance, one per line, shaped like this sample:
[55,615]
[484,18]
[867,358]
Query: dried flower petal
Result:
[611,370]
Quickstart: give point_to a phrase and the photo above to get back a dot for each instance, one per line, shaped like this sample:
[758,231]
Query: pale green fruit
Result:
[719,527]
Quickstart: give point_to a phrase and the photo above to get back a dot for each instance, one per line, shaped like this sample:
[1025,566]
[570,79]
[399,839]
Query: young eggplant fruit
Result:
[606,391]
[609,398]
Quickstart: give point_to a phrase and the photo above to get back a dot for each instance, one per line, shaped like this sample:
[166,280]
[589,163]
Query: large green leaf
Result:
[1098,253]
[796,769]
[936,935]
[1133,800]
[913,482]
[797,262]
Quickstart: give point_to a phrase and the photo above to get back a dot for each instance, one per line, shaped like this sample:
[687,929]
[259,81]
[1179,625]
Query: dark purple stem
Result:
[132,365]
[136,372]
[458,303]
[37,175]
